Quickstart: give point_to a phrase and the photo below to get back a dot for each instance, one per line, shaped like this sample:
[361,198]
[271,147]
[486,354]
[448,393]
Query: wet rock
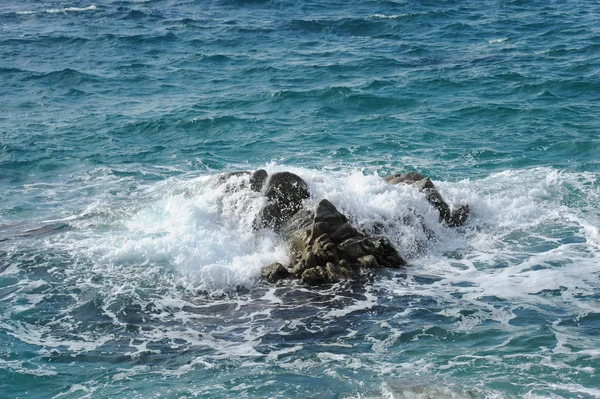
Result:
[275,272]
[368,261]
[453,218]
[257,180]
[406,178]
[314,275]
[326,248]
[459,216]
[285,192]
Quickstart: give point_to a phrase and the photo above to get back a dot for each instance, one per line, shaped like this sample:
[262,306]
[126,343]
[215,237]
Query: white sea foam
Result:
[521,241]
[512,246]
[72,9]
[59,10]
[20,366]
[419,390]
[384,16]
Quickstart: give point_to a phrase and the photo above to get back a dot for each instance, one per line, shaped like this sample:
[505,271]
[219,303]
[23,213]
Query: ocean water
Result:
[129,270]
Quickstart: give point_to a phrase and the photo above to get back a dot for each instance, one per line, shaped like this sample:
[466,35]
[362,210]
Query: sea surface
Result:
[128,269]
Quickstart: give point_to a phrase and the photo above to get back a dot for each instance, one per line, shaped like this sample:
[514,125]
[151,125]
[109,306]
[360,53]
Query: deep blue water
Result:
[128,270]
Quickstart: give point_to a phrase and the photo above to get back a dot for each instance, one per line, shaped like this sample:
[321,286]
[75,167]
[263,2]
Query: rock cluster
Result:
[324,246]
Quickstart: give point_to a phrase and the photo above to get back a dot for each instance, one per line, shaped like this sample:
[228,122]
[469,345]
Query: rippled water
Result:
[128,269]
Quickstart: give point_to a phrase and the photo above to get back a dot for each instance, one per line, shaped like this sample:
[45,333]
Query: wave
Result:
[65,76]
[201,228]
[376,26]
[60,10]
[72,9]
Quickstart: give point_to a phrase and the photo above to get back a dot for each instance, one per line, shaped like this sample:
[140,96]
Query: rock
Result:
[285,192]
[257,180]
[459,216]
[326,248]
[406,178]
[275,272]
[352,248]
[452,218]
[315,276]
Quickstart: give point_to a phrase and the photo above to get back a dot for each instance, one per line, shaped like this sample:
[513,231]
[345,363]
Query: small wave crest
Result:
[60,10]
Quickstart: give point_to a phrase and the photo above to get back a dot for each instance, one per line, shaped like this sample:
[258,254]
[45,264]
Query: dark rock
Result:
[352,248]
[285,192]
[275,272]
[459,216]
[257,180]
[406,178]
[368,261]
[325,248]
[452,218]
[315,276]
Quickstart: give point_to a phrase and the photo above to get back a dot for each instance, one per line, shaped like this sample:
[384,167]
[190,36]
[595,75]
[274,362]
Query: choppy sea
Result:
[129,270]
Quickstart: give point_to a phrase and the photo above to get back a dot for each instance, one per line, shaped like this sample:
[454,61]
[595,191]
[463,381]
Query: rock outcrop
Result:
[326,248]
[452,218]
[285,192]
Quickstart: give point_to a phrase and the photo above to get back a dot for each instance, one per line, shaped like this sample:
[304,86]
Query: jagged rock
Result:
[326,248]
[285,192]
[275,272]
[453,218]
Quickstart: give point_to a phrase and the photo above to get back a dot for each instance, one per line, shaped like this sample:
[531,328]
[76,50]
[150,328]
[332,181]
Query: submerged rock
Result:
[285,192]
[453,218]
[326,248]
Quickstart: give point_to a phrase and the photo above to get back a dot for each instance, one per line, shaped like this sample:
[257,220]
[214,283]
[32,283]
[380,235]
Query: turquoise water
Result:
[128,270]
